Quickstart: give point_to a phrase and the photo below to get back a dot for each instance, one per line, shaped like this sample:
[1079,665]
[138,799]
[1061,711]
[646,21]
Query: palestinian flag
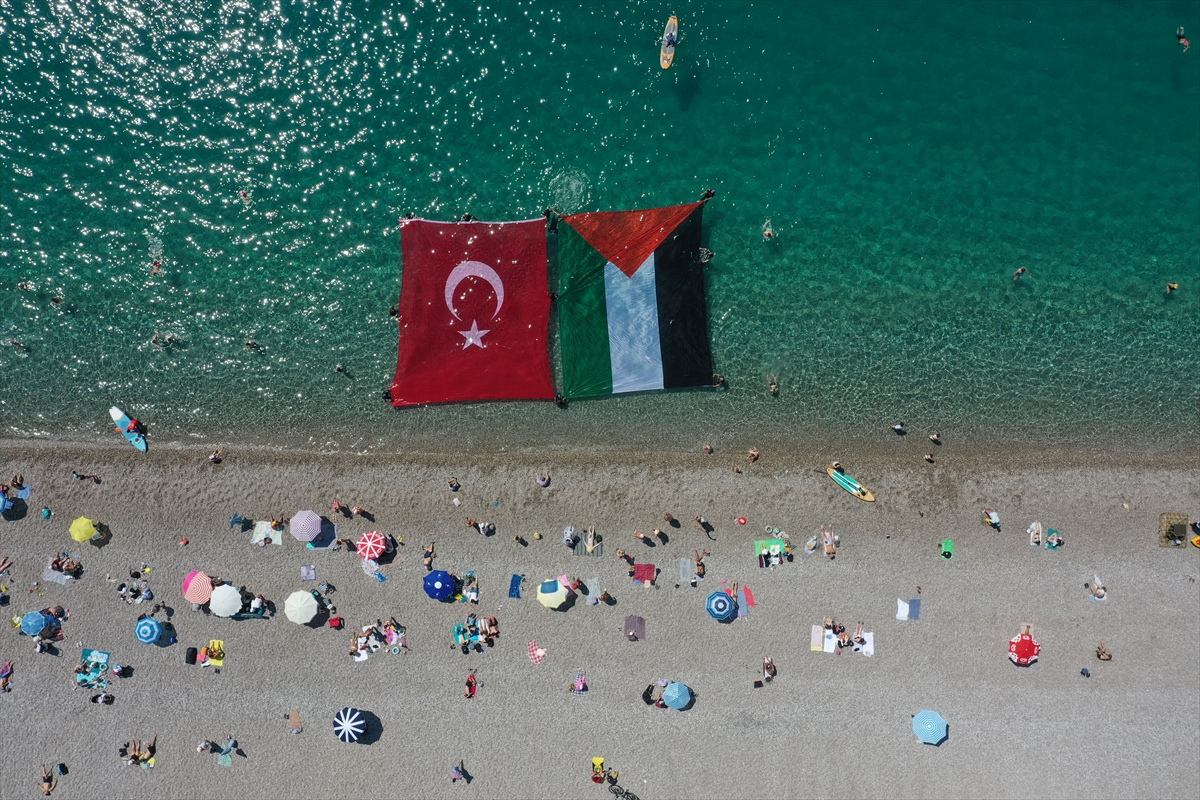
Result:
[631,305]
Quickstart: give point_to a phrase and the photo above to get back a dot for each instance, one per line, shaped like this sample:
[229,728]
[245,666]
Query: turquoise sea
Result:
[911,156]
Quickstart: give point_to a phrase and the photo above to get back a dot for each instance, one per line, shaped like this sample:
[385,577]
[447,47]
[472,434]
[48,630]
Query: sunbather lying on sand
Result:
[430,555]
[590,541]
[830,545]
[1096,587]
[1102,652]
[769,670]
[858,635]
[493,628]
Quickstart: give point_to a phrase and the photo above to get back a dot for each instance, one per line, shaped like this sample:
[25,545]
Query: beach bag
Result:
[189,657]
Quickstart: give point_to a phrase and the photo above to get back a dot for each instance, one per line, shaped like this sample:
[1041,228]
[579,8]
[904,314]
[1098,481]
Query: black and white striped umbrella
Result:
[349,724]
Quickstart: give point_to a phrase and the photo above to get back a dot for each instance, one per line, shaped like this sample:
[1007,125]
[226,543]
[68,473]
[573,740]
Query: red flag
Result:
[474,313]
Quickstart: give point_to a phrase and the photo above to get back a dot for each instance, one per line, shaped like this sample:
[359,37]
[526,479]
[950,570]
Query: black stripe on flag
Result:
[682,308]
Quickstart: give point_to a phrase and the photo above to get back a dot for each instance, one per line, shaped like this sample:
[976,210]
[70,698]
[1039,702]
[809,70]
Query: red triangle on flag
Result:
[627,238]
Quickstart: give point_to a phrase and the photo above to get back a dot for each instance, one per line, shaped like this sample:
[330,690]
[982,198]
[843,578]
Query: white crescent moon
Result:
[475,269]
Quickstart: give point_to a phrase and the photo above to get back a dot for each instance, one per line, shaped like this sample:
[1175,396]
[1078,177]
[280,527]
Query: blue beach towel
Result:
[914,609]
[742,608]
[514,587]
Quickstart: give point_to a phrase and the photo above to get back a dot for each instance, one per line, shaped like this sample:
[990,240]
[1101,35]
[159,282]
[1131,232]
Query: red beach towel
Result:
[535,653]
[749,596]
[644,572]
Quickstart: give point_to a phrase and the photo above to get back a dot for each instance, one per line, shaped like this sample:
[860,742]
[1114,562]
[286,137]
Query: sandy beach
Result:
[828,726]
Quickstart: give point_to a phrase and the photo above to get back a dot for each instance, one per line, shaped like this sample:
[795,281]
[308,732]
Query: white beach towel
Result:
[686,570]
[830,642]
[817,639]
[901,609]
[868,648]
[264,531]
[55,577]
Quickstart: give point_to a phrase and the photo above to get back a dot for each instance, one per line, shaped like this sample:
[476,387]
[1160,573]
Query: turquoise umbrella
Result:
[930,728]
[677,696]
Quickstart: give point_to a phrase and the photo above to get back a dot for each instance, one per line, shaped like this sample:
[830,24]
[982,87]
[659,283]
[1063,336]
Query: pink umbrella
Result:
[197,588]
[371,545]
[1023,650]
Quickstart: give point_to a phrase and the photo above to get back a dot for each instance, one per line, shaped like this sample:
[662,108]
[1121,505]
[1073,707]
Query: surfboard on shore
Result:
[850,485]
[667,54]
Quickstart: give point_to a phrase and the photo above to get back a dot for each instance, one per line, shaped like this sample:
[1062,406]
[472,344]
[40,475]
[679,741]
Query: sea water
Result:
[910,156]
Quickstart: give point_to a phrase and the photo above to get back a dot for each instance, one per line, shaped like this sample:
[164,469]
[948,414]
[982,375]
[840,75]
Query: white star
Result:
[474,336]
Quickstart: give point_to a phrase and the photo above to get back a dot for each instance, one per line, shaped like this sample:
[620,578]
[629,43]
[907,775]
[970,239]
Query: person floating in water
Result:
[772,385]
[245,197]
[1020,271]
[1172,287]
[156,269]
[768,231]
[1183,41]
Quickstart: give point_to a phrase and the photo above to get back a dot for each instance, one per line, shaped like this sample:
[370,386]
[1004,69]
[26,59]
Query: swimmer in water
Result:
[56,301]
[772,386]
[26,286]
[245,197]
[768,231]
[1020,271]
[156,269]
[1172,287]
[1179,36]
[251,344]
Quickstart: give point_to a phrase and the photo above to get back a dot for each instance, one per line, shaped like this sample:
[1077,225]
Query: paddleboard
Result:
[121,419]
[667,54]
[850,485]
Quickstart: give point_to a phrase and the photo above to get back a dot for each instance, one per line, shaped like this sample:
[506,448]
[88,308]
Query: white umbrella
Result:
[226,600]
[300,607]
[305,525]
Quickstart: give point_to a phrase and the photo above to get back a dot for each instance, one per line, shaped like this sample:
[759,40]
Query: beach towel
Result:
[914,608]
[581,547]
[263,531]
[749,595]
[868,648]
[901,609]
[536,654]
[580,686]
[24,492]
[644,573]
[308,572]
[594,590]
[687,568]
[742,608]
[637,626]
[216,646]
[56,577]
[830,643]
[817,644]
[514,587]
[225,760]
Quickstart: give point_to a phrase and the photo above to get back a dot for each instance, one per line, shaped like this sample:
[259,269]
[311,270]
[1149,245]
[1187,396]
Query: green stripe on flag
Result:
[582,317]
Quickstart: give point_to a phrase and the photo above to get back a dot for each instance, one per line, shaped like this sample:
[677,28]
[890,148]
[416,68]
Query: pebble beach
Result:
[830,725]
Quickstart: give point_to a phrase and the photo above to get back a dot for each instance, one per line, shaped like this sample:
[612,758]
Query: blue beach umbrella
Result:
[439,585]
[929,727]
[35,622]
[720,606]
[677,696]
[148,630]
[348,725]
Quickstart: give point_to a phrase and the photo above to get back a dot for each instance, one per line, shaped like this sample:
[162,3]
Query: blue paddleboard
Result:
[121,419]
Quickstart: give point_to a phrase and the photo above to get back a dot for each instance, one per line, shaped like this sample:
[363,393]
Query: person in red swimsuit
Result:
[1179,35]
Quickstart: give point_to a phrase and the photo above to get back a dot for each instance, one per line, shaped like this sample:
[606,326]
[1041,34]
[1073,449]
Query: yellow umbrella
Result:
[82,529]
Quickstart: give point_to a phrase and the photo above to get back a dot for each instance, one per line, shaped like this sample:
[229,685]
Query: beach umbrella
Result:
[226,601]
[197,587]
[83,529]
[720,606]
[148,630]
[35,622]
[300,607]
[677,696]
[306,525]
[439,585]
[1023,650]
[929,727]
[348,724]
[552,593]
[371,545]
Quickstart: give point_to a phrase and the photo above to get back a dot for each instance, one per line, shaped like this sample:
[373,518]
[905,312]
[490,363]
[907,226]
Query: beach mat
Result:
[1172,526]
[216,644]
[514,587]
[817,644]
[868,648]
[56,577]
[914,608]
[263,531]
[901,609]
[743,610]
[749,597]
[581,546]
[830,642]
[636,626]
[326,539]
[594,590]
[686,569]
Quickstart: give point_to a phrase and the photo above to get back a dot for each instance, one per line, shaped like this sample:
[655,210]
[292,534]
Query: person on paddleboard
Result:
[669,40]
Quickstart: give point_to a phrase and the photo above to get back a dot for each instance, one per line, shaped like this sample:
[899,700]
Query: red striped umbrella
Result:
[197,588]
[371,545]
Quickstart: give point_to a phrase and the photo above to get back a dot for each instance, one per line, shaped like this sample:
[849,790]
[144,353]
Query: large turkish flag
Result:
[474,313]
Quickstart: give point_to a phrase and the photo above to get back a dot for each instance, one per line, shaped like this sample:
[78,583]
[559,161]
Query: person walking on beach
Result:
[1181,39]
[47,784]
[542,480]
[459,773]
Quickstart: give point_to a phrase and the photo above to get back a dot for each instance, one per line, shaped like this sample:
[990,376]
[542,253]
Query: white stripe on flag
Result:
[633,328]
